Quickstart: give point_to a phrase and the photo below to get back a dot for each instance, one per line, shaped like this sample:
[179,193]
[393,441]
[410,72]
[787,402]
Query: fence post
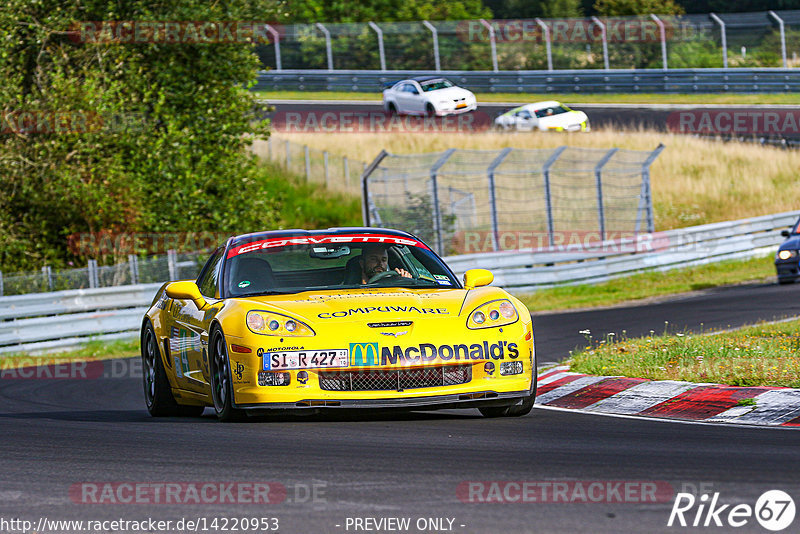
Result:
[437,213]
[328,48]
[783,36]
[269,147]
[288,155]
[603,36]
[365,199]
[435,35]
[325,163]
[492,43]
[172,264]
[598,177]
[718,20]
[380,44]
[48,276]
[91,271]
[276,36]
[646,188]
[547,197]
[663,32]
[547,42]
[493,197]
[132,264]
[346,171]
[308,163]
[1,283]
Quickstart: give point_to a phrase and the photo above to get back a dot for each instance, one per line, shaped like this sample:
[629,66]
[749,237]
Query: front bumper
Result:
[454,111]
[478,399]
[787,270]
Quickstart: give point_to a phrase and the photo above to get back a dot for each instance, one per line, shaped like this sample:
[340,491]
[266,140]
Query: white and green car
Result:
[550,116]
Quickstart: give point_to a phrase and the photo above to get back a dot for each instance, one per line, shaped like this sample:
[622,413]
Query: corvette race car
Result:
[337,318]
[428,95]
[547,116]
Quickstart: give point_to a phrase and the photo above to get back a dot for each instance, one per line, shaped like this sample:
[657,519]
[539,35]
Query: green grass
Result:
[93,350]
[572,98]
[761,355]
[650,284]
[308,206]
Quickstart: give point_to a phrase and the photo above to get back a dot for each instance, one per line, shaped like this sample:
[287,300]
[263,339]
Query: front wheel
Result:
[430,111]
[221,381]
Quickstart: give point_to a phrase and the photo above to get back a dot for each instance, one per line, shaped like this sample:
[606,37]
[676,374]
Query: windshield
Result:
[292,265]
[552,110]
[433,85]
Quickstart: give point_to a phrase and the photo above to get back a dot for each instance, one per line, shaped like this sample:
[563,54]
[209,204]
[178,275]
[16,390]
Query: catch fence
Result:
[714,40]
[465,201]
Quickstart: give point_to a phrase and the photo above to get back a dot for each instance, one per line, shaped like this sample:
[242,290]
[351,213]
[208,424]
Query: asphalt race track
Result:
[59,434]
[623,117]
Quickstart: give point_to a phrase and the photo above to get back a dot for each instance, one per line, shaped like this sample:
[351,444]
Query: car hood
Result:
[376,305]
[791,243]
[450,93]
[563,119]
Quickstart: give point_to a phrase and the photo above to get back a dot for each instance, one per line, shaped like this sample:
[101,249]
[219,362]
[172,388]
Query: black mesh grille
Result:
[395,379]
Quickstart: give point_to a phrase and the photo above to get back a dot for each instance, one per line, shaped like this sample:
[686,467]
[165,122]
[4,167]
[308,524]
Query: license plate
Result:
[305,359]
[461,105]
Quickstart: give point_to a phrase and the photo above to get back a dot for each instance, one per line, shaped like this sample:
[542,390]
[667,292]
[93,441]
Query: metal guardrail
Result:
[660,251]
[762,80]
[65,319]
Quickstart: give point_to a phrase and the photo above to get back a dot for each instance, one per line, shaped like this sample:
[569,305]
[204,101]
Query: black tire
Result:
[430,111]
[221,379]
[157,393]
[518,410]
[392,109]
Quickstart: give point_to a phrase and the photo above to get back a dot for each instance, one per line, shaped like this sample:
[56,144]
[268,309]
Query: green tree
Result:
[171,152]
[310,11]
[631,8]
[527,9]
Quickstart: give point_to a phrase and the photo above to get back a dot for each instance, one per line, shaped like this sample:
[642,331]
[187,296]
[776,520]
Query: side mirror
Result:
[414,92]
[786,233]
[477,278]
[186,291]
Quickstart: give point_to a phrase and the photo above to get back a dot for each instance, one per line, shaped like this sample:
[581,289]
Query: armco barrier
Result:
[64,319]
[762,80]
[661,251]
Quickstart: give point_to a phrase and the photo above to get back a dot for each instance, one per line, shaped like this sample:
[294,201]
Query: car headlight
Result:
[275,324]
[495,313]
[787,254]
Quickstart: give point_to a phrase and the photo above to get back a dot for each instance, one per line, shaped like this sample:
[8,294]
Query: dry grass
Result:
[694,181]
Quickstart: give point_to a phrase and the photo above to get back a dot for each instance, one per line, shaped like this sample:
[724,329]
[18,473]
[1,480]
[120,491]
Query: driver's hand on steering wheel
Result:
[403,272]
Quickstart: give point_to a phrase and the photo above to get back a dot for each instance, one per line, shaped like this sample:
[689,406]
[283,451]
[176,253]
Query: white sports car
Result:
[543,116]
[427,95]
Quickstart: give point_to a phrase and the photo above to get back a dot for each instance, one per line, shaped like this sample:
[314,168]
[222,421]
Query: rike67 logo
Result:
[774,510]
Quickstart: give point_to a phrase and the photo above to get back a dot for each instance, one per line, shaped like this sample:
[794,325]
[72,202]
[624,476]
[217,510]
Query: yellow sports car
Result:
[338,318]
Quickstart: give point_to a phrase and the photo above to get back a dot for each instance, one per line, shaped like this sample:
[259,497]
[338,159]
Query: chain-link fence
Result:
[464,201]
[758,39]
[338,173]
[173,266]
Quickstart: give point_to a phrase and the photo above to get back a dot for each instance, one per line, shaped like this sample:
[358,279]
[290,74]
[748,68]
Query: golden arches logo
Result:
[363,354]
